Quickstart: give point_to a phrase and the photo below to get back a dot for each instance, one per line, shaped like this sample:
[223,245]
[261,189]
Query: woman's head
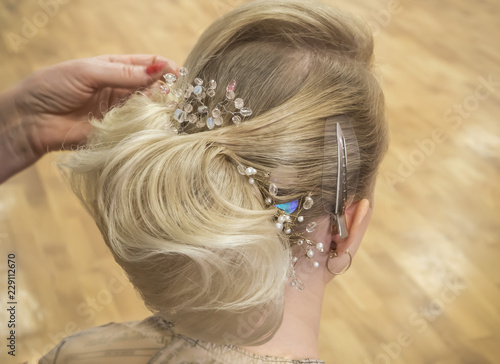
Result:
[195,238]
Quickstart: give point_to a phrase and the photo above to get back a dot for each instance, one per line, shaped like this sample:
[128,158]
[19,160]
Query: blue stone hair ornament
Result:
[287,217]
[192,102]
[289,214]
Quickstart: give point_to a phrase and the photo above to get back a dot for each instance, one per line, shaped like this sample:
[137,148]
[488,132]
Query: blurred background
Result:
[425,285]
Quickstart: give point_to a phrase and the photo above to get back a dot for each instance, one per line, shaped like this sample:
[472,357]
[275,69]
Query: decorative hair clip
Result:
[289,214]
[341,195]
[192,107]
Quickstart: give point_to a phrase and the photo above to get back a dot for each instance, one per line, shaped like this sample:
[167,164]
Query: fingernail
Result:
[155,67]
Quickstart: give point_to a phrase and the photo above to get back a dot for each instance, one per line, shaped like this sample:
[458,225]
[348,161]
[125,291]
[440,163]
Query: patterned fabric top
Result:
[151,341]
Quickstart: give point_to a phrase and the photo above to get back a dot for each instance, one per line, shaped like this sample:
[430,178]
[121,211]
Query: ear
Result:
[358,216]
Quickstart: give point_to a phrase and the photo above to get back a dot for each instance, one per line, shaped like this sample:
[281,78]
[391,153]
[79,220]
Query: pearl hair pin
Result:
[289,214]
[191,108]
[287,218]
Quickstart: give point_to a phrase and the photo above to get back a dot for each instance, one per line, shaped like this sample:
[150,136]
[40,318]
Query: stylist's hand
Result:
[57,101]
[50,109]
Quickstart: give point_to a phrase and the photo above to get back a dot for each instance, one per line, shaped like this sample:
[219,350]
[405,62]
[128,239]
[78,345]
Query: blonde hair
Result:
[195,238]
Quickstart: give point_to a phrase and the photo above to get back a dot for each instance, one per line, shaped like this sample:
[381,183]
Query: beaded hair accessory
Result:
[192,108]
[289,214]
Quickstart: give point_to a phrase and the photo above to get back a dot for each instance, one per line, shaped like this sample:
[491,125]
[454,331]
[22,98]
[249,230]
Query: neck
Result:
[297,337]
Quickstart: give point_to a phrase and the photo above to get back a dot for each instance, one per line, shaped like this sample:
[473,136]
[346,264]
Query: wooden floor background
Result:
[424,288]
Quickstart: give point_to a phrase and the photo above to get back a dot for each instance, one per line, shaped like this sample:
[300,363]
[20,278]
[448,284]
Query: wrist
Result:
[16,149]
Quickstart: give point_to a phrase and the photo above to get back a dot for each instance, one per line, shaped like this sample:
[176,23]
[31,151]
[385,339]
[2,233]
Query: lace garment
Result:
[151,341]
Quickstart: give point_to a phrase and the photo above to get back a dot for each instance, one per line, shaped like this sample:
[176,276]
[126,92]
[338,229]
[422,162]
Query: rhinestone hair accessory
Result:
[290,214]
[193,99]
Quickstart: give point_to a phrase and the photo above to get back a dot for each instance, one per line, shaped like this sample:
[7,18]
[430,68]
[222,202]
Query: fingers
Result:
[140,60]
[65,135]
[117,96]
[129,71]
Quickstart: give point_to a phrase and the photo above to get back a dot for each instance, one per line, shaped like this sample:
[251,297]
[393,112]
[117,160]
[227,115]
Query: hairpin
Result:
[289,214]
[341,196]
[192,108]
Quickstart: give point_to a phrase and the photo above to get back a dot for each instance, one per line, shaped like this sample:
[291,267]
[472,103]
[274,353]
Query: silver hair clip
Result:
[346,173]
[341,196]
[191,107]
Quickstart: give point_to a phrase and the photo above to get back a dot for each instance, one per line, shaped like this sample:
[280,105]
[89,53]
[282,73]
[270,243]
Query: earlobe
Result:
[334,255]
[355,216]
